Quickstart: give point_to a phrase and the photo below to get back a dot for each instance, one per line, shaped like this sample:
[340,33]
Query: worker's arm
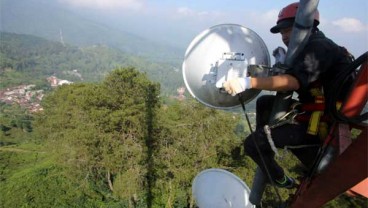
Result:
[274,83]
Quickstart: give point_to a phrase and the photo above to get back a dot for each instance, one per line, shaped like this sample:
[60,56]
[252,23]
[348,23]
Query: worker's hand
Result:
[280,54]
[237,85]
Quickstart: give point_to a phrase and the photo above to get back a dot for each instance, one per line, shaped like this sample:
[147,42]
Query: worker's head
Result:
[286,20]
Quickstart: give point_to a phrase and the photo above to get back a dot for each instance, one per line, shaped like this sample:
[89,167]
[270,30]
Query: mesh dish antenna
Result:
[218,54]
[218,188]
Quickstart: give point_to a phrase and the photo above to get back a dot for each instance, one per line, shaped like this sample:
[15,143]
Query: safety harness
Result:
[318,122]
[311,113]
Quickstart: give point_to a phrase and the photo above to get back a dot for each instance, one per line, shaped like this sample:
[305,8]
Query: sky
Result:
[177,22]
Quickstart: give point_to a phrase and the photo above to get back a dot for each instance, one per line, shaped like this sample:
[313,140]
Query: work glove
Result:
[237,85]
[280,54]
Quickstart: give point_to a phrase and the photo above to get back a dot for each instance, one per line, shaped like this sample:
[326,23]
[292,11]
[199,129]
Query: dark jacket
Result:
[318,65]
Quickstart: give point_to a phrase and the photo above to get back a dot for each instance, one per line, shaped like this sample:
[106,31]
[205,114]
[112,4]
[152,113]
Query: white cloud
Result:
[259,21]
[350,25]
[270,16]
[106,4]
[185,11]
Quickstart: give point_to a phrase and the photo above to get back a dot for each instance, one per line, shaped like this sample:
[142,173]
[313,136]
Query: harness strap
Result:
[310,107]
[317,121]
[313,125]
[314,122]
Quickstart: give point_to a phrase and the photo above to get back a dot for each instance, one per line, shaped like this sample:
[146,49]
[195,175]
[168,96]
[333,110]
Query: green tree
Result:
[191,138]
[103,130]
[15,123]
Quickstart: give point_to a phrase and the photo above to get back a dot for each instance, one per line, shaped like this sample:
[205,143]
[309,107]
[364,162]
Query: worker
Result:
[310,75]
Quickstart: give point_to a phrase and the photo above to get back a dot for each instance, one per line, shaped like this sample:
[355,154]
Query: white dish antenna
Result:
[220,53]
[218,188]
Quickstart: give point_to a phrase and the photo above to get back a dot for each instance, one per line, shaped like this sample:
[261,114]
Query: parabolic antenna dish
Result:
[220,53]
[218,188]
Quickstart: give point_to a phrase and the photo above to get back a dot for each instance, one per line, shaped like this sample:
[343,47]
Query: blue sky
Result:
[178,22]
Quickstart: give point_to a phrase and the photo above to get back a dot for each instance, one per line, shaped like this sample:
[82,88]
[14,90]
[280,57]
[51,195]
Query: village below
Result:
[25,95]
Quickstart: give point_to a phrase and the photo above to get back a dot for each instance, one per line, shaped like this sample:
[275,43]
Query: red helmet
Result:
[287,15]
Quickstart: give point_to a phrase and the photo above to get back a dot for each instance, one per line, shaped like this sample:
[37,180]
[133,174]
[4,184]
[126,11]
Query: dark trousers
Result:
[286,135]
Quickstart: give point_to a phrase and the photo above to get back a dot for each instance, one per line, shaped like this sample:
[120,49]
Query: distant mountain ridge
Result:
[49,20]
[28,59]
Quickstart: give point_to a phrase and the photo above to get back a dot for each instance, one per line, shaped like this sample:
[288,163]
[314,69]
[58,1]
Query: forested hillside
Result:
[114,144]
[111,139]
[27,59]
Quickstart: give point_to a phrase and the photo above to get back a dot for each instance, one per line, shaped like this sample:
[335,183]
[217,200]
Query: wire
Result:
[259,151]
[342,78]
